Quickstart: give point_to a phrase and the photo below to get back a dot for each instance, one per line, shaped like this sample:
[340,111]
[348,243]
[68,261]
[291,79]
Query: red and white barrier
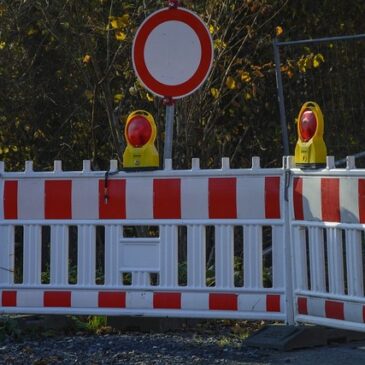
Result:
[224,198]
[331,309]
[327,225]
[140,302]
[329,199]
[143,198]
[315,220]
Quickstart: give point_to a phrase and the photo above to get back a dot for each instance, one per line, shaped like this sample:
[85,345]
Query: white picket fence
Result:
[255,243]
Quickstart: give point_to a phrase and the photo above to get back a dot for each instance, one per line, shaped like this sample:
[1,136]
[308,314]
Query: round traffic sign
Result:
[172,52]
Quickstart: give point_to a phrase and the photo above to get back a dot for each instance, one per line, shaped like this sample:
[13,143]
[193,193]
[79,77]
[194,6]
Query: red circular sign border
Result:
[195,81]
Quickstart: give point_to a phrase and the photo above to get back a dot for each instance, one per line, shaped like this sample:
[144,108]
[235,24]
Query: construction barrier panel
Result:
[180,206]
[327,225]
[274,244]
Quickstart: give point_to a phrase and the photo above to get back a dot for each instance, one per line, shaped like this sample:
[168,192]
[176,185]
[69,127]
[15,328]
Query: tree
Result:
[67,83]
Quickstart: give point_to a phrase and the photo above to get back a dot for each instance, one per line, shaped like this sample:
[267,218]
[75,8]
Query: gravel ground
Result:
[203,346]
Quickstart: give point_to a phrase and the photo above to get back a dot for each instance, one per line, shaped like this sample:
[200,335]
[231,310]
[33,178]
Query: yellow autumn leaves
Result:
[232,83]
[279,31]
[119,24]
[86,59]
[309,61]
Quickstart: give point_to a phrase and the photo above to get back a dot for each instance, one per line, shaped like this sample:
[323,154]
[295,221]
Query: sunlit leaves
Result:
[317,60]
[219,44]
[118,97]
[214,92]
[245,76]
[119,22]
[279,31]
[120,36]
[149,97]
[231,83]
[288,70]
[86,59]
[2,44]
[309,61]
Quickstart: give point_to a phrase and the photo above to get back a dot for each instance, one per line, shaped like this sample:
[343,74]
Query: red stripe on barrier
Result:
[166,198]
[334,310]
[272,197]
[302,306]
[167,300]
[57,299]
[330,200]
[361,189]
[298,198]
[112,199]
[272,303]
[8,298]
[11,199]
[219,301]
[58,199]
[111,299]
[222,197]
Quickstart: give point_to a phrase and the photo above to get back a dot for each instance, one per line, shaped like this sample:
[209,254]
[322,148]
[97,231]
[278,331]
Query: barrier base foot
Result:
[286,338]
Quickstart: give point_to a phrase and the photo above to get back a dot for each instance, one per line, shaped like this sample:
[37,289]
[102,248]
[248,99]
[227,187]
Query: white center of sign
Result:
[172,53]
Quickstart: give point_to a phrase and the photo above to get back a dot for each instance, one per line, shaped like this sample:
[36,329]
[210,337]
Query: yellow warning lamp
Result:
[310,150]
[140,133]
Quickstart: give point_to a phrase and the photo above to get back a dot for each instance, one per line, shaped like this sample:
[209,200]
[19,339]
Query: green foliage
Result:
[91,324]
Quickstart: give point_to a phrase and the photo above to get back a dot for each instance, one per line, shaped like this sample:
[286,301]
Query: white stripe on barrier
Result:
[194,198]
[353,312]
[349,200]
[311,199]
[251,197]
[84,299]
[82,206]
[254,303]
[195,301]
[316,307]
[30,298]
[31,199]
[140,300]
[139,198]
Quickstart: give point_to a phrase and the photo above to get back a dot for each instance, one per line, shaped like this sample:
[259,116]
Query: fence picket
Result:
[7,255]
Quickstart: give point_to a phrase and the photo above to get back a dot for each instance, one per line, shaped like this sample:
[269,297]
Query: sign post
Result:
[172,56]
[169,130]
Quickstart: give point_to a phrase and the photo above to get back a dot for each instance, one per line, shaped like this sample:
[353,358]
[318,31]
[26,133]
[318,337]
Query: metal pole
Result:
[356,155]
[320,40]
[279,86]
[169,131]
